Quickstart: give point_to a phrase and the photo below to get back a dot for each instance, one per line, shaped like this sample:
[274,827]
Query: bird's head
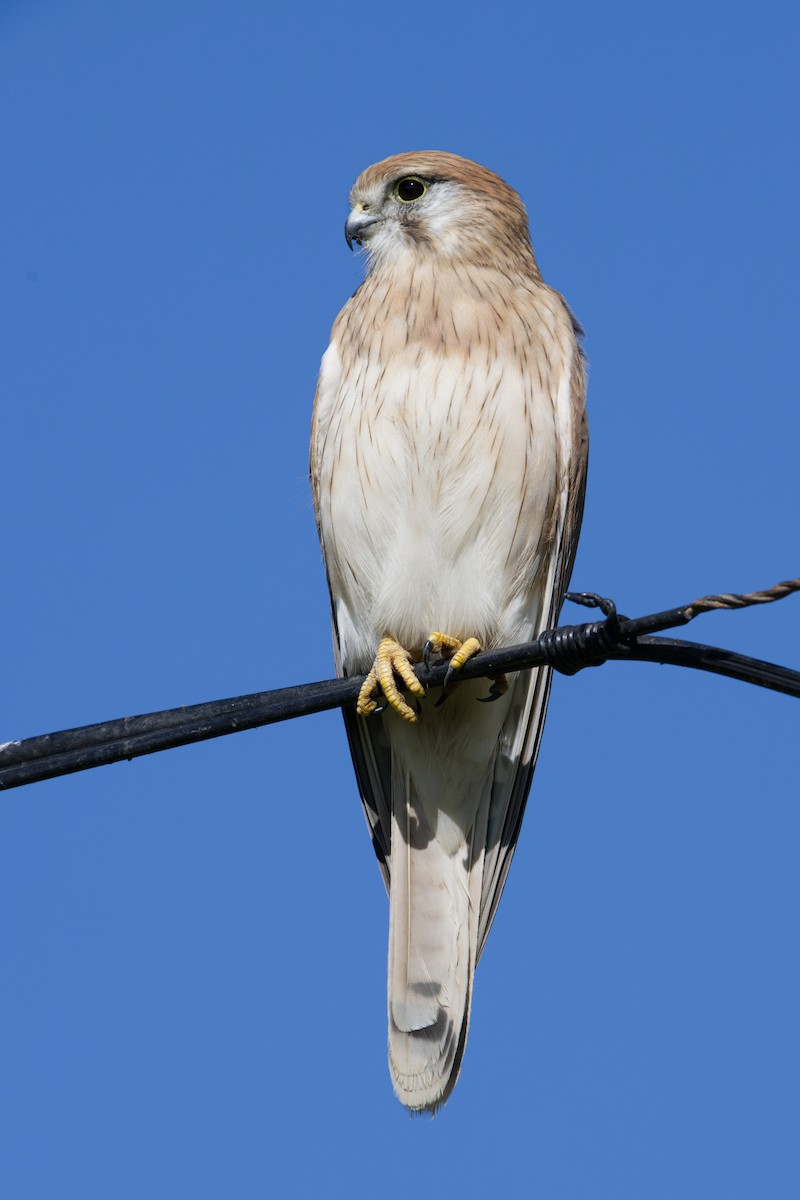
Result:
[438,205]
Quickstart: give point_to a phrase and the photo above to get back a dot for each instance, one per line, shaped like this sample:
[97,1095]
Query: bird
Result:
[448,463]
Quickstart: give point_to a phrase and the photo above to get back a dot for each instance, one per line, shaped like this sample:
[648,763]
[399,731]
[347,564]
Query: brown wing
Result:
[369,746]
[532,688]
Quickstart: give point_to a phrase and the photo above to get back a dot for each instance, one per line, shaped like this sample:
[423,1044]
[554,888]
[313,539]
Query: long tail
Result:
[432,951]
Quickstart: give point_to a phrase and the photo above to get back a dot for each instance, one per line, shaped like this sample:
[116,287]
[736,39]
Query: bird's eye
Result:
[410,189]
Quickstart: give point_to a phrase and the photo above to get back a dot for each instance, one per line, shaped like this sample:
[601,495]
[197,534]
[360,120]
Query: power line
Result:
[569,649]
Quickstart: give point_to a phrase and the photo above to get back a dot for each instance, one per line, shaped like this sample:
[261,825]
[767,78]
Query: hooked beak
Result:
[356,224]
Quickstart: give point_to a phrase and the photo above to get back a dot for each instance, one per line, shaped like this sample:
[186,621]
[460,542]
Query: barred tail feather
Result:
[432,948]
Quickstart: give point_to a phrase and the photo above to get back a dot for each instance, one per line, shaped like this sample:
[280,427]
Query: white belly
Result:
[437,490]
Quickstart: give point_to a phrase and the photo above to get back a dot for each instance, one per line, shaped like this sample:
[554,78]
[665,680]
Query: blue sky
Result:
[193,945]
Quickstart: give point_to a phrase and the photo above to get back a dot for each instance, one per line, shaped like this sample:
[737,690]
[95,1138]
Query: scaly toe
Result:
[466,650]
[392,659]
[449,647]
[441,644]
[366,702]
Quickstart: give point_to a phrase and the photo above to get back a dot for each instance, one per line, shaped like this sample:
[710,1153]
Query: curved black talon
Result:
[449,676]
[499,688]
[427,650]
[444,696]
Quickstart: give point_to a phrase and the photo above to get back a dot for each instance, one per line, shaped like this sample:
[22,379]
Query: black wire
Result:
[677,653]
[568,649]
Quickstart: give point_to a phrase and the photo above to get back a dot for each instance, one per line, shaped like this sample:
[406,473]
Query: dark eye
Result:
[410,189]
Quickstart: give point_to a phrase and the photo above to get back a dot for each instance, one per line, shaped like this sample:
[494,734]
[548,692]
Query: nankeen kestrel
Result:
[448,464]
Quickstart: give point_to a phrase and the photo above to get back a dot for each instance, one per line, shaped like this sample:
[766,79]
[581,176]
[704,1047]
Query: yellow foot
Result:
[390,660]
[450,647]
